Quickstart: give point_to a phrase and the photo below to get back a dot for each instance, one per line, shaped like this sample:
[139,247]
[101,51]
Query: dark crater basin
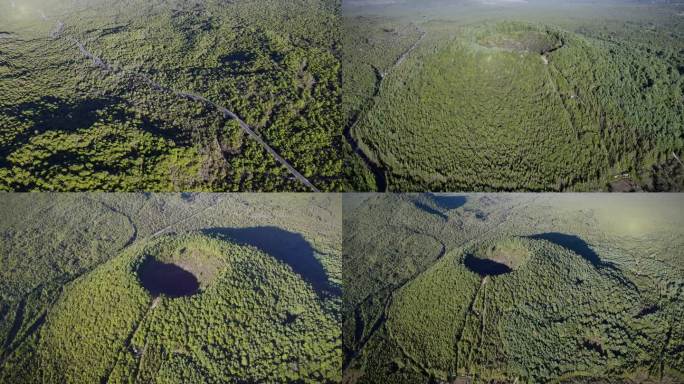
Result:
[167,279]
[485,267]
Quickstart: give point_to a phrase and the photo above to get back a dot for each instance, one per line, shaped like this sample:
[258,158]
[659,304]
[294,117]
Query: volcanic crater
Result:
[498,258]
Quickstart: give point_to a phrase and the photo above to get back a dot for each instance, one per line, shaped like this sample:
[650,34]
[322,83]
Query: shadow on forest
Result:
[288,247]
[236,58]
[168,279]
[51,113]
[576,245]
[435,204]
[448,201]
[243,63]
[427,208]
[16,324]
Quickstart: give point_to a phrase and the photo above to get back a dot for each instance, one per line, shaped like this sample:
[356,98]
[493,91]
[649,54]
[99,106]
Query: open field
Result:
[171,288]
[514,96]
[170,95]
[521,288]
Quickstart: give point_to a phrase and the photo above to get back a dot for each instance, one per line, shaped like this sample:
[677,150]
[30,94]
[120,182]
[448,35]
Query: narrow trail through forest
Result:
[129,339]
[381,320]
[228,114]
[134,235]
[407,52]
[458,337]
[549,67]
[677,158]
[19,314]
[378,170]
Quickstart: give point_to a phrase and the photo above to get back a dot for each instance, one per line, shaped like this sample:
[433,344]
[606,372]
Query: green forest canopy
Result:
[66,124]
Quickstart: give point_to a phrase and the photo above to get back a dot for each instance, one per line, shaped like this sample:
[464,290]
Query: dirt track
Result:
[98,62]
[376,169]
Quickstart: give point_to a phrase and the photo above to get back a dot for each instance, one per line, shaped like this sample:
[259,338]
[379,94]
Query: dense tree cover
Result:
[594,293]
[235,328]
[68,124]
[371,45]
[43,239]
[513,105]
[376,265]
[66,270]
[44,245]
[370,48]
[428,335]
[557,315]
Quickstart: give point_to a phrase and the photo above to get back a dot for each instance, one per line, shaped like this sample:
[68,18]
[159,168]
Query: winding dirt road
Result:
[127,345]
[376,168]
[407,52]
[102,64]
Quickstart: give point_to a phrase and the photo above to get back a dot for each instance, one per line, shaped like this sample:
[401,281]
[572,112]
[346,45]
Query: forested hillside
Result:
[526,289]
[527,97]
[170,288]
[170,95]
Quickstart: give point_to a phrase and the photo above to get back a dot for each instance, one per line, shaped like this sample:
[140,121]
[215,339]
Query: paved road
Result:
[98,62]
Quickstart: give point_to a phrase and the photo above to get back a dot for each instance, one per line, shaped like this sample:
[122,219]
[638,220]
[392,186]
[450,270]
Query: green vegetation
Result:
[532,97]
[510,252]
[101,302]
[520,40]
[123,111]
[528,289]
[370,48]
